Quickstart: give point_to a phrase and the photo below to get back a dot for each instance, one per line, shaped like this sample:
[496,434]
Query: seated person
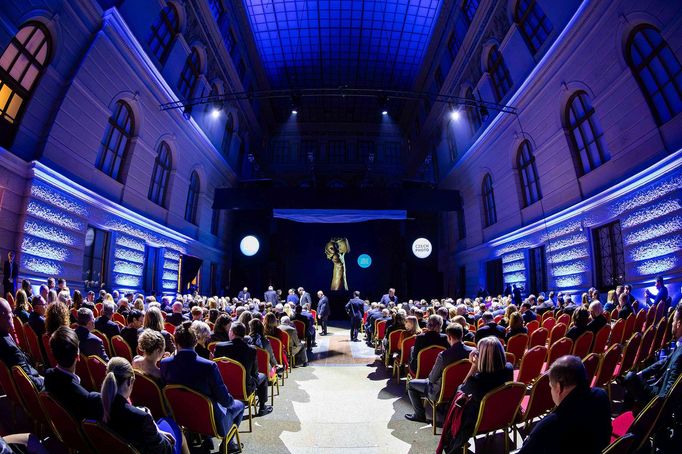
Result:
[188,369]
[581,317]
[429,337]
[10,353]
[657,379]
[309,325]
[90,345]
[154,320]
[63,384]
[21,306]
[515,326]
[581,421]
[153,348]
[36,319]
[489,328]
[221,329]
[598,320]
[176,317]
[258,339]
[612,300]
[624,306]
[468,336]
[104,324]
[203,332]
[417,389]
[237,349]
[527,312]
[132,331]
[295,345]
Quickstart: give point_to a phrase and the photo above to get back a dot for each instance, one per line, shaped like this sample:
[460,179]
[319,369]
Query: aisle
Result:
[340,402]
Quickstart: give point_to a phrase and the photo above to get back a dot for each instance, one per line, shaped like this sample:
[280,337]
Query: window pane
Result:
[8,56]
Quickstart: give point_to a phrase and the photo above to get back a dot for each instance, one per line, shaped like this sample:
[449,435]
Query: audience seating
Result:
[548,323]
[51,362]
[591,363]
[168,326]
[146,393]
[627,361]
[121,348]
[29,396]
[650,318]
[628,328]
[560,348]
[106,441]
[403,359]
[539,337]
[601,339]
[105,341]
[34,347]
[7,385]
[19,328]
[640,320]
[194,412]
[658,337]
[64,425]
[426,358]
[284,339]
[537,402]
[278,350]
[498,410]
[517,345]
[234,377]
[557,333]
[263,358]
[379,331]
[565,319]
[644,347]
[581,346]
[394,340]
[622,445]
[531,365]
[532,326]
[453,376]
[97,369]
[300,330]
[640,425]
[546,315]
[607,367]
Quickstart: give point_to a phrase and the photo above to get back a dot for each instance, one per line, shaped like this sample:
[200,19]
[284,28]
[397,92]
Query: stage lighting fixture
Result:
[249,245]
[294,112]
[364,261]
[215,113]
[455,114]
[384,112]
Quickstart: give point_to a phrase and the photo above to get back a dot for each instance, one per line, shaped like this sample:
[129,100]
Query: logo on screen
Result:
[364,261]
[421,248]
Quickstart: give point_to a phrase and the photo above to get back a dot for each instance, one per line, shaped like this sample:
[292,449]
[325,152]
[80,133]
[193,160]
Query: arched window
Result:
[469,8]
[190,75]
[163,32]
[499,74]
[116,143]
[489,211]
[657,70]
[473,114]
[585,137]
[534,25]
[161,175]
[530,182]
[192,198]
[21,65]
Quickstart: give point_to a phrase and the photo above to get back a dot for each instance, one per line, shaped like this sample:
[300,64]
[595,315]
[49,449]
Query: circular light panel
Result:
[249,245]
[421,248]
[364,261]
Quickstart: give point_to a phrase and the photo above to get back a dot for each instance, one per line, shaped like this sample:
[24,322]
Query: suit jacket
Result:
[176,318]
[130,335]
[270,296]
[453,354]
[10,271]
[581,423]
[305,299]
[491,329]
[238,350]
[11,355]
[294,341]
[37,323]
[323,308]
[575,332]
[425,340]
[90,344]
[529,316]
[668,370]
[243,296]
[137,427]
[386,299]
[597,324]
[355,308]
[107,327]
[67,390]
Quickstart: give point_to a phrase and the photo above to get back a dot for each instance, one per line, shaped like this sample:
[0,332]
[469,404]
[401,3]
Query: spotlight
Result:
[384,112]
[455,114]
[294,112]
[215,113]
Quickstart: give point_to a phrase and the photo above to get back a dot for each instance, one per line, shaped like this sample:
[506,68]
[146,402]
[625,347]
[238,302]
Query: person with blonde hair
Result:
[56,315]
[203,333]
[133,424]
[21,306]
[515,325]
[154,320]
[153,347]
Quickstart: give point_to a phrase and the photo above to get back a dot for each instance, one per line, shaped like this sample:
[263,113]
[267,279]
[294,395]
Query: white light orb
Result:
[249,245]
[421,248]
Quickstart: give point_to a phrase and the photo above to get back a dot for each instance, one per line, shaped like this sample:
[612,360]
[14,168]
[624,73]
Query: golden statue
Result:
[335,250]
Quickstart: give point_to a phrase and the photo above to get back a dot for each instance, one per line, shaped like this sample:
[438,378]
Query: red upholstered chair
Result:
[64,425]
[97,369]
[99,307]
[106,441]
[517,345]
[531,365]
[403,359]
[263,358]
[168,326]
[453,376]
[591,363]
[21,336]
[658,337]
[9,388]
[146,393]
[364,320]
[313,312]
[641,425]
[284,338]
[379,331]
[105,341]
[607,367]
[234,377]
[426,358]
[300,329]
[119,318]
[394,340]
[537,402]
[622,445]
[581,346]
[51,361]
[557,333]
[510,357]
[629,327]
[532,326]
[601,339]
[34,346]
[650,318]
[660,311]
[121,348]
[546,315]
[498,410]
[539,337]
[565,319]
[645,346]
[84,374]
[278,350]
[548,323]
[640,320]
[560,348]
[29,396]
[617,331]
[629,355]
[194,412]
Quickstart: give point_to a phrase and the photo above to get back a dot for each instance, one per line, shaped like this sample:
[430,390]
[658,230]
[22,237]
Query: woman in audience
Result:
[258,339]
[581,317]
[221,329]
[21,306]
[611,301]
[51,297]
[154,320]
[133,424]
[153,347]
[270,323]
[585,300]
[203,334]
[515,326]
[467,336]
[398,323]
[245,318]
[624,307]
[56,315]
[411,327]
[507,315]
[139,305]
[77,299]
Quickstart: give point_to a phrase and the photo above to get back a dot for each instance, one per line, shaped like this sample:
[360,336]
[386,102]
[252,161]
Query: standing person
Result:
[10,271]
[323,310]
[661,295]
[354,308]
[270,296]
[305,297]
[389,297]
[292,297]
[244,295]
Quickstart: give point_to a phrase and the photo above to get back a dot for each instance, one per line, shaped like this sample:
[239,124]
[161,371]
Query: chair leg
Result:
[506,441]
[272,393]
[433,414]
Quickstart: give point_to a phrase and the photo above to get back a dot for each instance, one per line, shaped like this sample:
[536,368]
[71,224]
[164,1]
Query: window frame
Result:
[499,73]
[158,186]
[189,76]
[125,131]
[192,203]
[528,174]
[577,127]
[530,33]
[165,42]
[488,196]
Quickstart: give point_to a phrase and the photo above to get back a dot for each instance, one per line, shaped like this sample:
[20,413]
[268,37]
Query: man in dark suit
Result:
[305,297]
[244,295]
[177,317]
[89,344]
[374,312]
[657,379]
[489,328]
[581,421]
[63,384]
[527,312]
[188,369]
[10,271]
[597,314]
[237,349]
[307,319]
[323,311]
[36,319]
[104,324]
[355,309]
[431,336]
[419,388]
[132,331]
[10,353]
[389,297]
[270,296]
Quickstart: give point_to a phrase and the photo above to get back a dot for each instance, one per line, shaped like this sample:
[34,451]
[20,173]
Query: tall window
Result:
[584,134]
[192,198]
[469,8]
[151,269]
[499,74]
[95,258]
[161,175]
[489,211]
[21,65]
[116,143]
[534,25]
[609,255]
[190,75]
[473,114]
[530,182]
[336,151]
[538,270]
[658,72]
[163,32]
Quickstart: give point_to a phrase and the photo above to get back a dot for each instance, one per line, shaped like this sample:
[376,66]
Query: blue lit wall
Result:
[362,43]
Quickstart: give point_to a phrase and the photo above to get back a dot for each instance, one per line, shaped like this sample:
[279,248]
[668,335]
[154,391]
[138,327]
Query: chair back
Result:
[539,400]
[211,347]
[607,366]
[629,327]
[557,333]
[560,348]
[300,329]
[499,407]
[119,318]
[277,348]
[10,299]
[546,315]
[168,326]
[498,318]
[658,337]
[51,361]
[650,318]
[629,354]
[640,320]
[565,319]
[622,445]
[146,393]
[97,369]
[33,345]
[405,348]
[380,329]
[105,341]
[591,363]
[313,312]
[99,307]
[105,440]
[426,359]
[121,348]
[284,338]
[510,357]
[63,424]
[191,410]
[531,364]
[660,311]
[263,359]
[601,339]
[532,326]
[29,394]
[21,335]
[394,339]
[548,323]
[617,331]
[581,346]
[8,386]
[84,374]
[672,399]
[453,376]
[645,345]
[645,421]
[234,377]
[517,345]
[539,337]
